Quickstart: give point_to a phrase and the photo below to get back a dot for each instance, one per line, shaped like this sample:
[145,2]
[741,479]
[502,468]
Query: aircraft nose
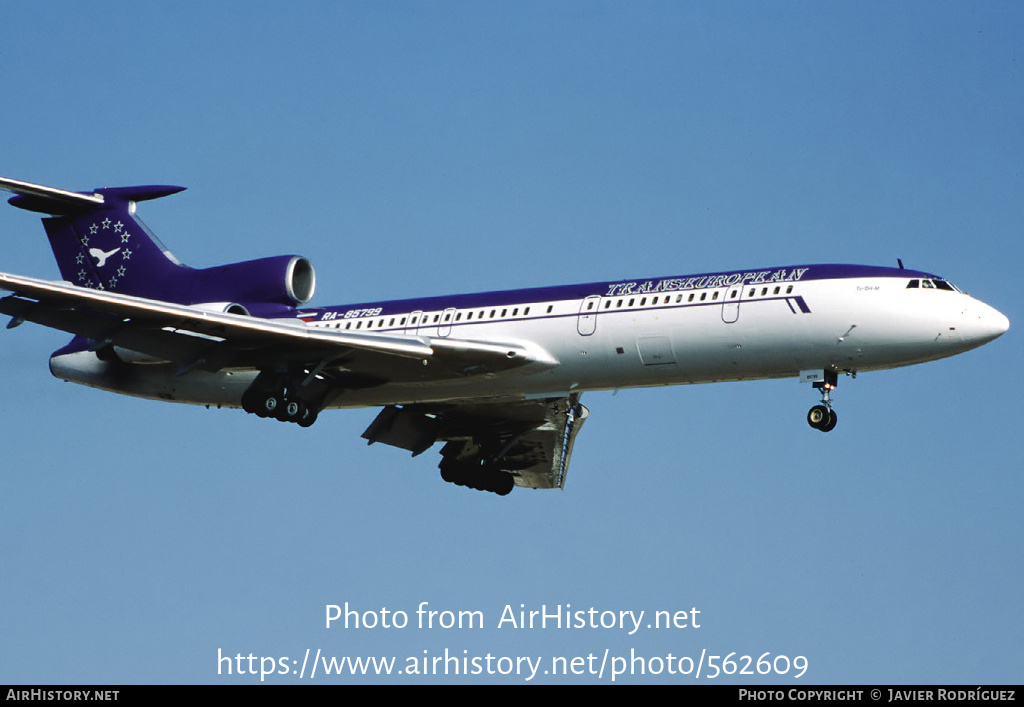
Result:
[985,323]
[999,324]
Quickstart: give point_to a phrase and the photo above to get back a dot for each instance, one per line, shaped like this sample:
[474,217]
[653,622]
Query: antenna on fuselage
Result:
[900,261]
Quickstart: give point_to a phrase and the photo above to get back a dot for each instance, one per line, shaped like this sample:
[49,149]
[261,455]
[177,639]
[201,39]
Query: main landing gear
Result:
[823,417]
[482,477]
[279,406]
[276,395]
[473,470]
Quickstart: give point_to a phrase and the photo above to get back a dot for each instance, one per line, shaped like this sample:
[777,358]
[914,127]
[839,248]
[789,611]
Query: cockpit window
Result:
[933,284]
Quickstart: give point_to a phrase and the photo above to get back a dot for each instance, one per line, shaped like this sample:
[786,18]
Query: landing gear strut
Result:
[823,417]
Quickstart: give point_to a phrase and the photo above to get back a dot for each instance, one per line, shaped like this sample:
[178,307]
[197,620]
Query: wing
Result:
[488,445]
[196,338]
[529,441]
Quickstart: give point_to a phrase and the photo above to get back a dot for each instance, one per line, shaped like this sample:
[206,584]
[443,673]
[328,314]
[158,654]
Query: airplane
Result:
[496,376]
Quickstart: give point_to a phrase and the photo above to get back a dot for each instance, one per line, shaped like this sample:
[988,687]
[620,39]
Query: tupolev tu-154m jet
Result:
[496,376]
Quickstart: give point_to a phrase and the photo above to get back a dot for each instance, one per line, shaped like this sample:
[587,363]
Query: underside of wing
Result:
[490,446]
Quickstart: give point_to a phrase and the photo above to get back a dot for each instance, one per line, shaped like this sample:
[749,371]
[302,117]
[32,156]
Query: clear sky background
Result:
[416,149]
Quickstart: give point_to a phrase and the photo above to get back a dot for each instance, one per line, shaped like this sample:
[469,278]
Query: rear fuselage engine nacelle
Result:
[258,287]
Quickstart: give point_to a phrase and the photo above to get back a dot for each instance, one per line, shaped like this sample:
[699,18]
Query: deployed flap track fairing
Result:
[495,376]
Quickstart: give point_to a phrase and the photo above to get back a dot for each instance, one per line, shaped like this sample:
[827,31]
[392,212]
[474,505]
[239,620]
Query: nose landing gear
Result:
[823,417]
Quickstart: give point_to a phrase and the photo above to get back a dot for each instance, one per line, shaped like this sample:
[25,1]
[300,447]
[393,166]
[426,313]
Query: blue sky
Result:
[414,149]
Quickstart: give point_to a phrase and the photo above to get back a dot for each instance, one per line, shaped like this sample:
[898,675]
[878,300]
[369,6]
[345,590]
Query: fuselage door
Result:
[586,324]
[731,306]
[445,327]
[415,319]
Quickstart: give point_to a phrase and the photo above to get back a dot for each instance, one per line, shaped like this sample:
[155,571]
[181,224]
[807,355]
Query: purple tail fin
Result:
[100,243]
[109,248]
[97,239]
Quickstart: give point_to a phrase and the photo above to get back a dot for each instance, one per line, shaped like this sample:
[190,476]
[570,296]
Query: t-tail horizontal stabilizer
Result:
[60,202]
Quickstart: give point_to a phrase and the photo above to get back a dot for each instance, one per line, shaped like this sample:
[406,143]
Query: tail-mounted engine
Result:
[256,286]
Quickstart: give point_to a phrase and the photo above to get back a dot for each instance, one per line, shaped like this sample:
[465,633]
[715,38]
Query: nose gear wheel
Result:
[823,417]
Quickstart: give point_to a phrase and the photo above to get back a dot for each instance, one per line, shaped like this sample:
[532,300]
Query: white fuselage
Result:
[738,326]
